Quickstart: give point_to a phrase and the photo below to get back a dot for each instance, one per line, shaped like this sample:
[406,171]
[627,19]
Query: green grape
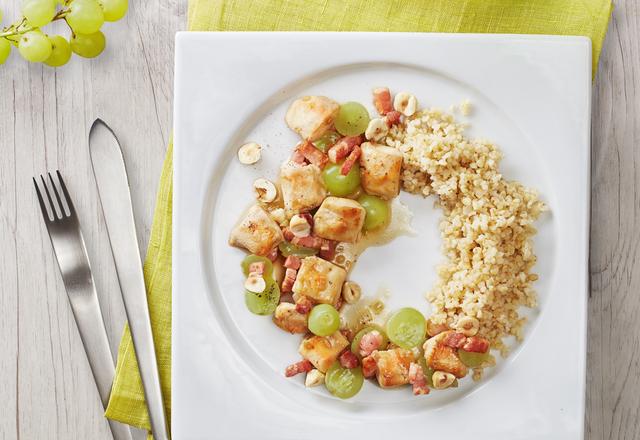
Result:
[355,344]
[61,52]
[352,119]
[114,10]
[85,17]
[471,359]
[287,249]
[5,50]
[339,184]
[343,382]
[268,265]
[88,46]
[406,328]
[326,141]
[38,12]
[378,212]
[324,320]
[263,303]
[34,46]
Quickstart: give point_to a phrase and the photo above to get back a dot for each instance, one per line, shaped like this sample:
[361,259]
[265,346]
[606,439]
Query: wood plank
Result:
[46,381]
[613,362]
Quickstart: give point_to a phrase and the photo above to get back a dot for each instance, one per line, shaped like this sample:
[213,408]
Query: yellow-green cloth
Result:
[562,17]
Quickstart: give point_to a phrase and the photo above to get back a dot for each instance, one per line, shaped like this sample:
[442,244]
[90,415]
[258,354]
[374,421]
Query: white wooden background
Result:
[46,388]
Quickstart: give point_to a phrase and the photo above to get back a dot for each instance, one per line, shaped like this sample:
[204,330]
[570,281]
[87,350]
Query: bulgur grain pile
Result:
[486,229]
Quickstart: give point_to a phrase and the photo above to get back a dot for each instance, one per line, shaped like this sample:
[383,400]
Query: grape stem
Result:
[22,28]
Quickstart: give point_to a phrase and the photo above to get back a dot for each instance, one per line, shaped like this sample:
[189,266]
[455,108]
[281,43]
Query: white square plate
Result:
[531,95]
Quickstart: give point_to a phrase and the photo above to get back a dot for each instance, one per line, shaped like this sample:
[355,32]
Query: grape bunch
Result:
[84,18]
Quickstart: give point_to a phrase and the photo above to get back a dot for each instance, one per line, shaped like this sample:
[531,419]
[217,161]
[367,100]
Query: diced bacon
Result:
[339,303]
[455,340]
[393,118]
[417,379]
[476,344]
[292,262]
[304,305]
[287,234]
[308,217]
[369,343]
[369,366]
[309,241]
[328,249]
[382,100]
[273,255]
[304,366]
[343,148]
[289,279]
[257,268]
[348,359]
[351,160]
[312,154]
[347,333]
[298,157]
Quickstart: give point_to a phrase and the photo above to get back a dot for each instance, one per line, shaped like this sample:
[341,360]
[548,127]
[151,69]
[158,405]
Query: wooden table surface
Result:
[46,386]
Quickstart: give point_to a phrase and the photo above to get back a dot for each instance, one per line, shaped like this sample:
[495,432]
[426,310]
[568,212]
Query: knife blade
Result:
[113,188]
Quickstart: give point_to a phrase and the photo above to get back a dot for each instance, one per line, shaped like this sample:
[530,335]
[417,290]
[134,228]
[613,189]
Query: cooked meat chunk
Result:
[256,232]
[311,116]
[441,357]
[393,366]
[322,351]
[319,280]
[288,319]
[302,187]
[380,168]
[339,219]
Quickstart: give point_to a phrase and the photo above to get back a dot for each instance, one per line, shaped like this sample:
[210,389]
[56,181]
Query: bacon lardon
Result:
[303,366]
[312,154]
[476,345]
[343,148]
[348,359]
[382,100]
[351,160]
[369,342]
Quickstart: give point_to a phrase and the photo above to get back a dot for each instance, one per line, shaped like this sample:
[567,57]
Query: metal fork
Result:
[63,226]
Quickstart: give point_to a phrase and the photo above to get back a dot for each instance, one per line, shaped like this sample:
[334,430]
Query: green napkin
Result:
[562,17]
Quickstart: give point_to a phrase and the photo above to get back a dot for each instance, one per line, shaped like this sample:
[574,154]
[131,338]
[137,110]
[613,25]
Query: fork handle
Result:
[86,311]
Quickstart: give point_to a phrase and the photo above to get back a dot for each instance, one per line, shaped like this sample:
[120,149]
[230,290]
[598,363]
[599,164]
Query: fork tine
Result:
[65,192]
[54,211]
[43,206]
[55,190]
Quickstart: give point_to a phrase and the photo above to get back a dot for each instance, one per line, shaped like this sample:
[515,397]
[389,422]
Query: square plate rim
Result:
[182,36]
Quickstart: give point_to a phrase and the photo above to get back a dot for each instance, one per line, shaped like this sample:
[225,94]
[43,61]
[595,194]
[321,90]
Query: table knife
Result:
[113,188]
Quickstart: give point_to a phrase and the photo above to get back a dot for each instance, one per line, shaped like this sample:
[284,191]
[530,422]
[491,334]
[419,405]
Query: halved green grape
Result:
[406,328]
[287,249]
[339,184]
[343,382]
[85,17]
[352,119]
[471,359]
[268,265]
[326,141]
[355,344]
[60,53]
[34,46]
[114,10]
[88,46]
[38,12]
[324,320]
[264,303]
[5,50]
[378,212]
